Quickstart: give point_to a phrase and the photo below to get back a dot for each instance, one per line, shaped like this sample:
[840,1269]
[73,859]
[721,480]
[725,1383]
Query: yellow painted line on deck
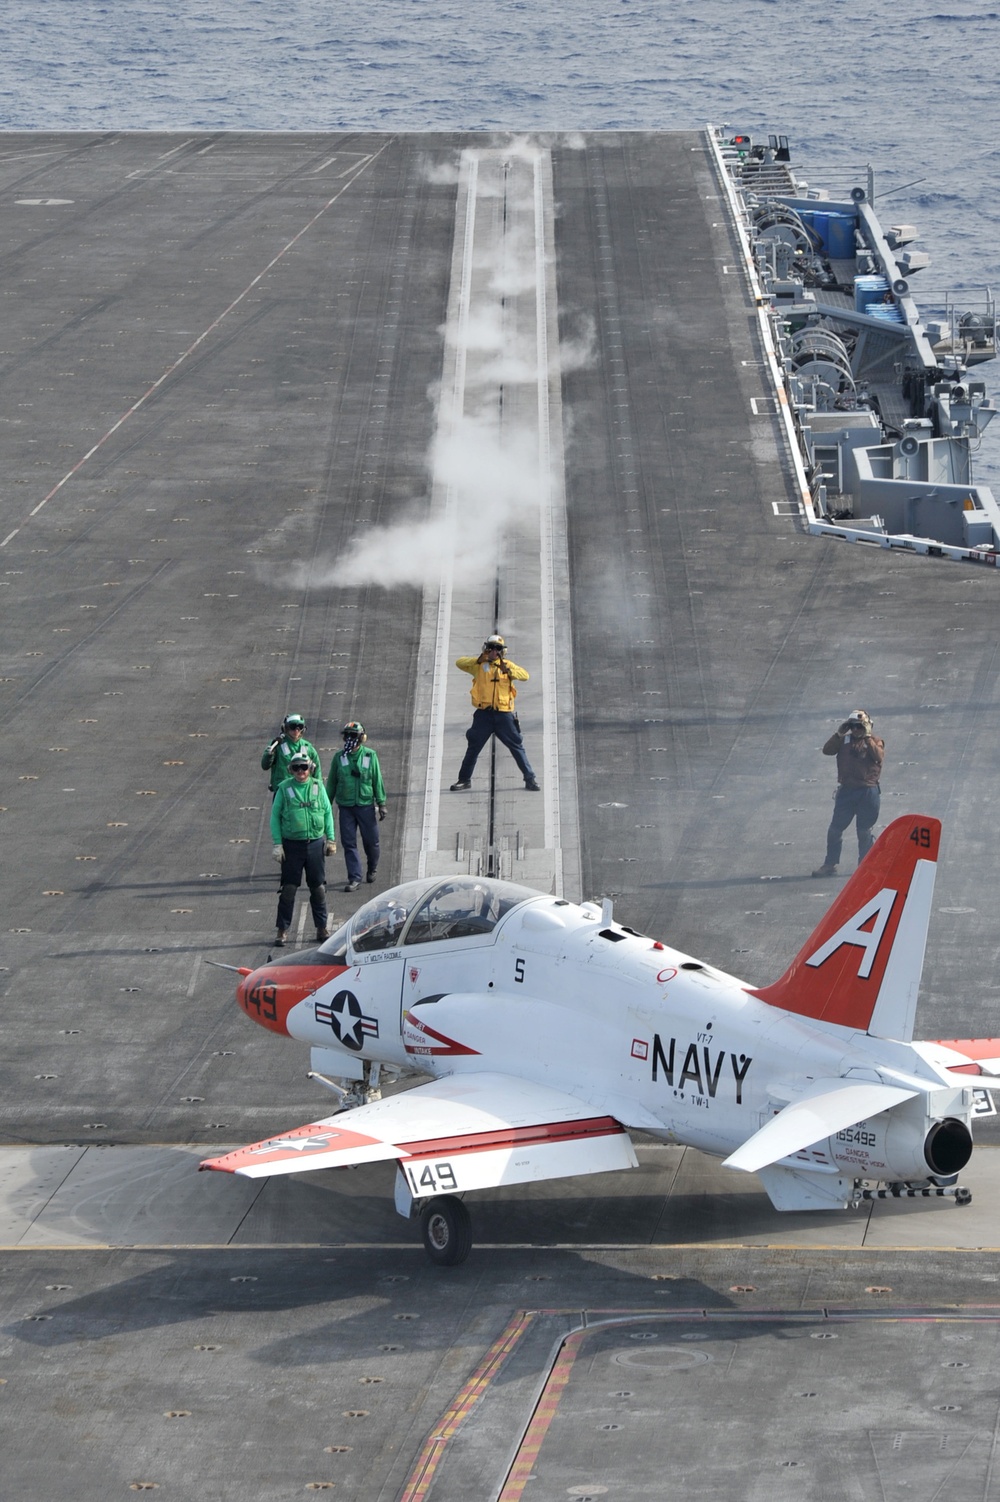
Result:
[422,1476]
[545,1411]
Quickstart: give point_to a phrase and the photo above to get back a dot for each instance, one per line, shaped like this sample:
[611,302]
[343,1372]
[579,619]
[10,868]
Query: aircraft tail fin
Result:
[861,966]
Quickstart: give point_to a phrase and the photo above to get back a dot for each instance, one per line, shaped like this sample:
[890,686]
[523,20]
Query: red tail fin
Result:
[861,967]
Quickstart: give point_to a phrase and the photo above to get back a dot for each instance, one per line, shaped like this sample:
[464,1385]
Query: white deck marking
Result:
[501,387]
[165,156]
[170,370]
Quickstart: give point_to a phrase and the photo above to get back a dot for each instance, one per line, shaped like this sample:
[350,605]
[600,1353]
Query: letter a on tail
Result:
[861,967]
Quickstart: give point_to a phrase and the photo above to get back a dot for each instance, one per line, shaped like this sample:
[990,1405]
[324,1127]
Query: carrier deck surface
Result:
[222,360]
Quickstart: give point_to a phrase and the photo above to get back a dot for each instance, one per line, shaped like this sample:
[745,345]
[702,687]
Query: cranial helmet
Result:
[496,640]
[294,722]
[300,759]
[354,727]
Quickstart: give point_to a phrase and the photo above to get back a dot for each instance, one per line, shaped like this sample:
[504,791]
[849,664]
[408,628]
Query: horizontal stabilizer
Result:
[830,1107]
[466,1131]
[977,1081]
[976,1054]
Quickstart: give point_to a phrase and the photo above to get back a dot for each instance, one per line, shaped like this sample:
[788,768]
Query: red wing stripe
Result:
[548,1134]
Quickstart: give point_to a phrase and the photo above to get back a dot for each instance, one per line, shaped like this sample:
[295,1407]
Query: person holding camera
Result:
[859,767]
[286,744]
[494,679]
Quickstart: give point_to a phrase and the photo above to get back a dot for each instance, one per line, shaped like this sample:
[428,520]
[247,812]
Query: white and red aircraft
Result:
[551,1031]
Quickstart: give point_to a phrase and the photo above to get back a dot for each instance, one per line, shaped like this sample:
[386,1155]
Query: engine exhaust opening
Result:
[948,1146]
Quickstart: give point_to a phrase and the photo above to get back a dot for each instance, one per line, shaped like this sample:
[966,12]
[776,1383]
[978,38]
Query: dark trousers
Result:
[853,803]
[308,856]
[361,817]
[502,724]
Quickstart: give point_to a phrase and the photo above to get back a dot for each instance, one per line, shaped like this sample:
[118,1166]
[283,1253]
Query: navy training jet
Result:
[550,1032]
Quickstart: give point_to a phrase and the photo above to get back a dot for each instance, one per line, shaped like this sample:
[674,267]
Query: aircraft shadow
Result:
[339,1288]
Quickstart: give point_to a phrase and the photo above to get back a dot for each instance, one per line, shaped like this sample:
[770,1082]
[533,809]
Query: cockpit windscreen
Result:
[379,924]
[462,908]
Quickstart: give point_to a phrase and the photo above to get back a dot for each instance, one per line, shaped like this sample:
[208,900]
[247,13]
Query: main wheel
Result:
[447,1230]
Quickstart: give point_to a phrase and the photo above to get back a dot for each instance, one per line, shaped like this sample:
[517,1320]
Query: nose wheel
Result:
[447,1230]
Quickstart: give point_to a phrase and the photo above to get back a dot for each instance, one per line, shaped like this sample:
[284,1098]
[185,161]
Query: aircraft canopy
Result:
[458,907]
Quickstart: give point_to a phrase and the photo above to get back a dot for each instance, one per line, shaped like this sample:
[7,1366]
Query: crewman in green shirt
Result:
[278,753]
[355,786]
[303,836]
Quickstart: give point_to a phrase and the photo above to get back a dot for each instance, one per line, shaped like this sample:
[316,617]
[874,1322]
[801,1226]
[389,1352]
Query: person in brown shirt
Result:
[859,767]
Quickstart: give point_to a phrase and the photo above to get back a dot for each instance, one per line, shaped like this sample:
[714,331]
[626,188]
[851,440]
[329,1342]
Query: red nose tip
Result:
[269,994]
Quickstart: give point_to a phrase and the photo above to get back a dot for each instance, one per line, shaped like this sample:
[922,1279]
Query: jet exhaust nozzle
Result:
[947,1147]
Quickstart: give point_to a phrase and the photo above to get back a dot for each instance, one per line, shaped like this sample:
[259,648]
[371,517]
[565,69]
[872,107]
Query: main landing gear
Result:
[444,1221]
[447,1230]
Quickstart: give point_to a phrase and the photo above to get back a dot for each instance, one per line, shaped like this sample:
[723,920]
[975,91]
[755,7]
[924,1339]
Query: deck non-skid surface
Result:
[223,360]
[155,1196]
[554,1373]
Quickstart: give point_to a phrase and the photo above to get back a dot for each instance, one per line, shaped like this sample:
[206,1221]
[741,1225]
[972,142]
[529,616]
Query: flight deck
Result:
[288,423]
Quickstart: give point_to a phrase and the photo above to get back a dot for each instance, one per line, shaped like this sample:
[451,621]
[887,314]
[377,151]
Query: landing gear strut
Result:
[447,1230]
[350,1093]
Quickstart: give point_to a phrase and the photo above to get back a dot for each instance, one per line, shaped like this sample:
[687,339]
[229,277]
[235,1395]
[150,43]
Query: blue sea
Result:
[911,90]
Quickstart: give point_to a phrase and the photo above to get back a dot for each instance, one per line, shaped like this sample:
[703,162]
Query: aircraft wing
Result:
[466,1131]
[830,1107]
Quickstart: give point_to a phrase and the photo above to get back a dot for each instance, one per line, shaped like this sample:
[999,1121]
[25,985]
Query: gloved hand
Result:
[381,812]
[844,728]
[278,852]
[331,847]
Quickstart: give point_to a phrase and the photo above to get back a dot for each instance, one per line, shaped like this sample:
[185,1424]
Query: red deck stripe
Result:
[538,1427]
[421,1478]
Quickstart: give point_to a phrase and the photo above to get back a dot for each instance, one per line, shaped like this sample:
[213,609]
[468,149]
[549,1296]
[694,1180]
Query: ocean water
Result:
[911,91]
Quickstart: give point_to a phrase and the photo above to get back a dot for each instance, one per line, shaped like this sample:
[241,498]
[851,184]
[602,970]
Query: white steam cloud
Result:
[491,486]
[484,462]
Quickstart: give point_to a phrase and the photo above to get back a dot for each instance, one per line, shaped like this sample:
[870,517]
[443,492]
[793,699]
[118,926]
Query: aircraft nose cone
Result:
[268,995]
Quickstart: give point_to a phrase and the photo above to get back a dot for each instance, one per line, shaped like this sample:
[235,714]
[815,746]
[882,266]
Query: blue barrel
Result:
[885,312]
[868,290]
[840,236]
